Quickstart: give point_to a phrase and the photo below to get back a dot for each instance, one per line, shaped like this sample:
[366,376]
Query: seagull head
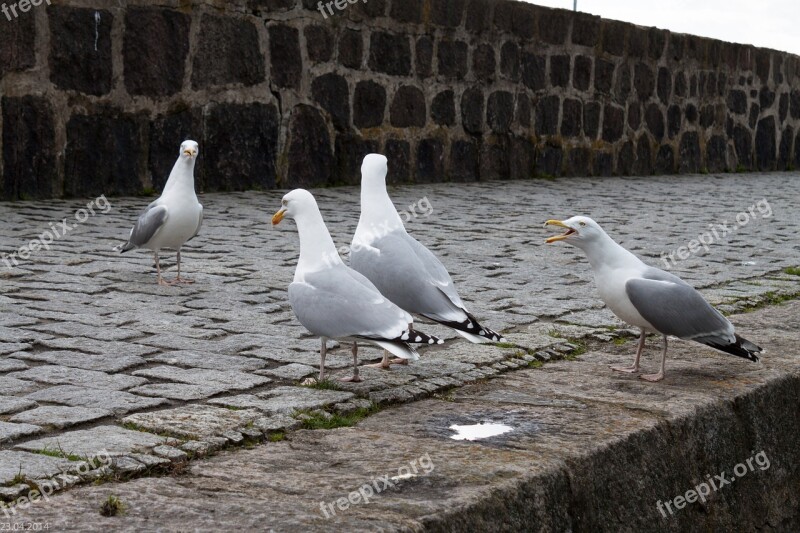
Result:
[189,150]
[580,230]
[373,170]
[293,204]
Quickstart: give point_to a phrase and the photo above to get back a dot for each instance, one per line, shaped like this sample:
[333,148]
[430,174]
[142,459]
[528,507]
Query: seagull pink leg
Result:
[179,279]
[355,378]
[161,280]
[384,364]
[635,368]
[660,375]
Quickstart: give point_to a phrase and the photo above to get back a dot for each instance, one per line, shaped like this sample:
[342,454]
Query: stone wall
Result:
[96,98]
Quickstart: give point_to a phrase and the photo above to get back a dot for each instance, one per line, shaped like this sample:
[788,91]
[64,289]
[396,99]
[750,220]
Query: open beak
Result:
[190,153]
[557,238]
[277,217]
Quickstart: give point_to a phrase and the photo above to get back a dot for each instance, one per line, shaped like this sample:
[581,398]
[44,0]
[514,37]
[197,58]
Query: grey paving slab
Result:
[62,375]
[10,431]
[211,361]
[9,405]
[193,422]
[31,465]
[113,440]
[100,362]
[118,402]
[59,416]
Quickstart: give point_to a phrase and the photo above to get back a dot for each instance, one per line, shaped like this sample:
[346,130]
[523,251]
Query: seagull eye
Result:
[284,202]
[583,223]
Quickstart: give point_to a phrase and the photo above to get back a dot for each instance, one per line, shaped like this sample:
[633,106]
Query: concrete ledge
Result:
[591,450]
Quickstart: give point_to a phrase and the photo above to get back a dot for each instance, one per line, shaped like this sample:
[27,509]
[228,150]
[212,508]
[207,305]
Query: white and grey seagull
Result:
[403,269]
[334,301]
[649,298]
[174,218]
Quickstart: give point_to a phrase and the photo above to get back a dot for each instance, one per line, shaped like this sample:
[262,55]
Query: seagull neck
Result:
[605,253]
[317,250]
[181,179]
[378,214]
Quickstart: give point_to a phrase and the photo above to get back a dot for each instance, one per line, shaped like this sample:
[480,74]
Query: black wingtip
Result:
[741,348]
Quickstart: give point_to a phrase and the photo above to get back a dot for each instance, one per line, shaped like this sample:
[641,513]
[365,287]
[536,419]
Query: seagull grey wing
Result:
[150,221]
[436,270]
[331,303]
[676,308]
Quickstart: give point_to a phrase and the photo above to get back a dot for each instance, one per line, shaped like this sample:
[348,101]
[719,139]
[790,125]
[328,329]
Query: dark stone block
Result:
[553,26]
[603,75]
[603,164]
[689,153]
[29,149]
[582,73]
[674,120]
[533,71]
[478,16]
[722,84]
[509,61]
[654,118]
[549,160]
[103,155]
[319,43]
[310,156]
[452,56]
[483,62]
[680,85]
[707,116]
[765,144]
[571,118]
[693,86]
[579,161]
[523,160]
[559,70]
[472,110]
[637,42]
[737,102]
[717,154]
[244,138]
[424,49]
[591,119]
[625,159]
[752,119]
[656,39]
[500,111]
[676,46]
[523,110]
[585,29]
[430,160]
[547,109]
[665,160]
[447,12]
[369,103]
[331,92]
[524,20]
[762,64]
[158,70]
[797,151]
[228,53]
[794,104]
[664,86]
[407,11]
[286,68]
[349,153]
[504,17]
[76,62]
[614,36]
[390,53]
[623,86]
[634,115]
[691,113]
[351,48]
[464,161]
[443,108]
[783,107]
[17,45]
[398,153]
[777,69]
[743,144]
[272,5]
[643,166]
[408,108]
[785,149]
[495,163]
[644,81]
[167,132]
[613,123]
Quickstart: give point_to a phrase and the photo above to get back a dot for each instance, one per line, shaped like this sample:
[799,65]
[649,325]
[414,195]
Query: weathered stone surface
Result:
[743,144]
[549,160]
[408,107]
[654,118]
[424,56]
[510,60]
[559,70]
[582,73]
[464,161]
[180,391]
[117,402]
[622,87]
[333,95]
[82,360]
[665,160]
[389,53]
[310,154]
[10,405]
[111,440]
[674,121]
[31,465]
[158,71]
[571,117]
[613,123]
[319,43]
[351,48]
[689,153]
[430,160]
[533,71]
[228,53]
[62,375]
[717,154]
[80,49]
[11,431]
[230,379]
[553,26]
[286,64]
[452,59]
[634,115]
[59,416]
[195,422]
[447,12]
[18,45]
[398,154]
[546,115]
[603,75]
[625,159]
[285,399]
[785,149]
[737,102]
[443,108]
[369,104]
[578,162]
[349,153]
[591,119]
[644,81]
[664,85]
[12,385]
[585,29]
[500,111]
[643,166]
[483,62]
[766,144]
[29,154]
[294,371]
[472,110]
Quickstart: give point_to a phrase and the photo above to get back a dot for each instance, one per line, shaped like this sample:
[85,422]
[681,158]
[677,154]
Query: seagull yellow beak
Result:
[190,152]
[277,217]
[557,238]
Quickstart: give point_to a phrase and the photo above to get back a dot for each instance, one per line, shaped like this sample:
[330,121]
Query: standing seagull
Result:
[649,298]
[403,269]
[334,301]
[174,218]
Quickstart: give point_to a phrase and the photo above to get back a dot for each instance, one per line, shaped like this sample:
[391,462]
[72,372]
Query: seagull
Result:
[334,301]
[649,298]
[404,270]
[174,218]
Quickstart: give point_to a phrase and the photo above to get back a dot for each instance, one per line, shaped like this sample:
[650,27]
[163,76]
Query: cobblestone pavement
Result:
[95,358]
